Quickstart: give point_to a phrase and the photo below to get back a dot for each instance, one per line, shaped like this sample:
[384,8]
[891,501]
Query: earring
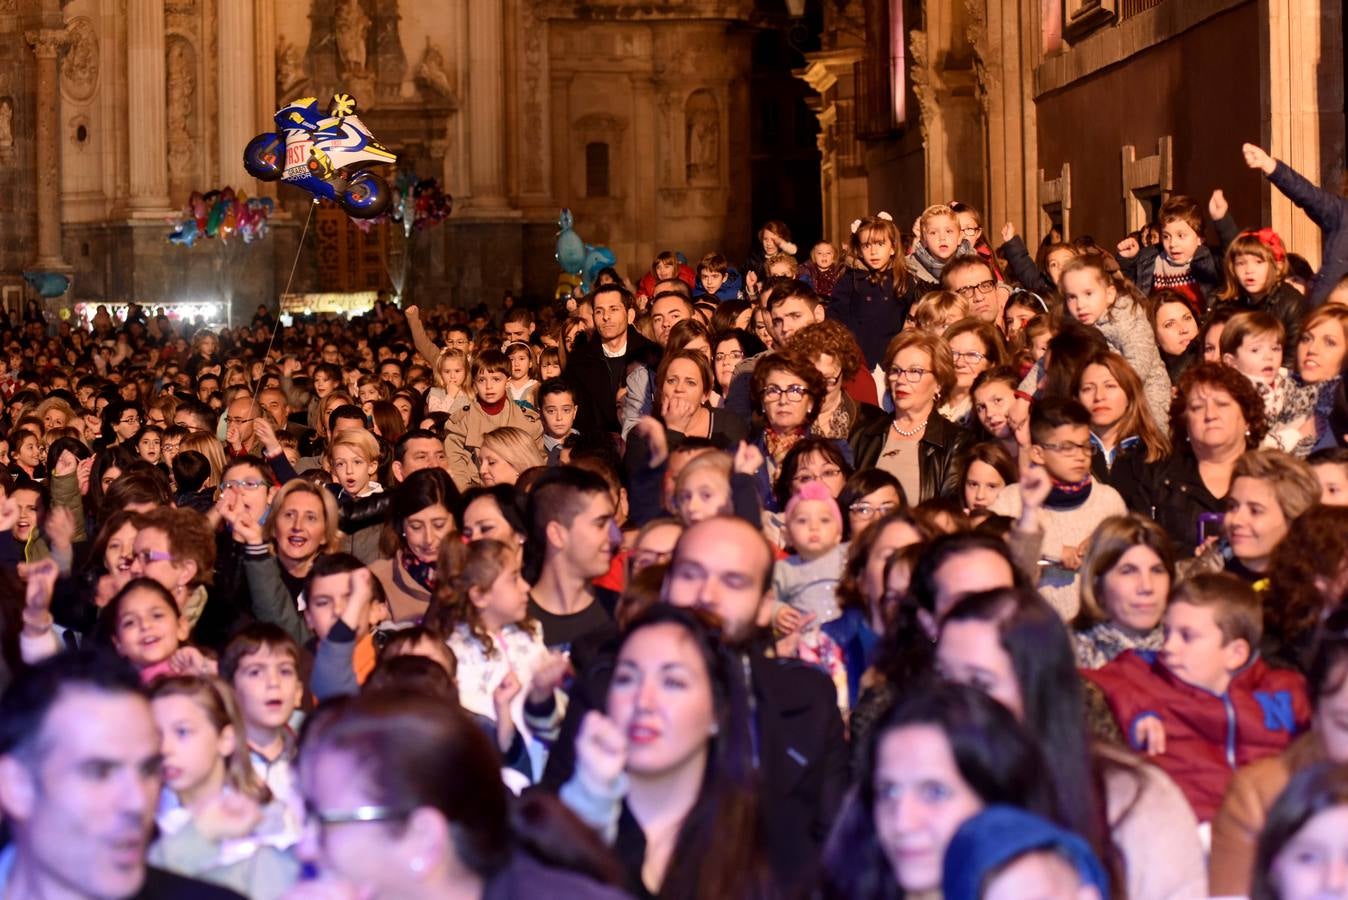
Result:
[715,729]
[417,864]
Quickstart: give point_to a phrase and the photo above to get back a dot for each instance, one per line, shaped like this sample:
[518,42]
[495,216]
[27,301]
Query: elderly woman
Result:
[837,356]
[1215,417]
[788,392]
[918,446]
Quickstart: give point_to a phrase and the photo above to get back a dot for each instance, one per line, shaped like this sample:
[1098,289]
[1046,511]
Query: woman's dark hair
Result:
[1297,570]
[996,757]
[119,457]
[799,367]
[385,416]
[112,414]
[923,588]
[859,553]
[811,443]
[409,674]
[412,751]
[62,444]
[1241,389]
[509,500]
[1328,671]
[422,489]
[1068,351]
[1310,792]
[861,483]
[1035,638]
[719,849]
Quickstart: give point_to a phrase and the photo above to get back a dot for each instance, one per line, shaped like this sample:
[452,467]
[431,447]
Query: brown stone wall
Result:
[1201,88]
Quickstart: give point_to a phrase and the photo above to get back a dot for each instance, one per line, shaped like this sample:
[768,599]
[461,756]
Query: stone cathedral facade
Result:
[112,112]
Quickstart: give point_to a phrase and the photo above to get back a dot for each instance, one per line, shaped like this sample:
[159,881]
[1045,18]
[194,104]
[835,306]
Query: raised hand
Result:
[1217,205]
[1035,486]
[66,464]
[748,458]
[1256,158]
[60,527]
[653,432]
[41,582]
[359,600]
[1128,247]
[266,433]
[83,470]
[548,677]
[191,661]
[601,752]
[226,816]
[1008,232]
[9,513]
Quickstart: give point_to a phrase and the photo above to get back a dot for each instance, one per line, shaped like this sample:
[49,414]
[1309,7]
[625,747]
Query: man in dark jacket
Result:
[598,369]
[79,784]
[724,566]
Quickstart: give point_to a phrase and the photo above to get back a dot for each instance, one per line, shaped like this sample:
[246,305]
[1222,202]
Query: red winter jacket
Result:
[685,274]
[1207,736]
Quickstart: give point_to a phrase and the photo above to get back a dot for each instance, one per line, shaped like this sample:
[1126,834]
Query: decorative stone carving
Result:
[181,83]
[533,149]
[290,75]
[431,72]
[79,69]
[6,123]
[923,80]
[351,28]
[702,138]
[47,43]
[985,54]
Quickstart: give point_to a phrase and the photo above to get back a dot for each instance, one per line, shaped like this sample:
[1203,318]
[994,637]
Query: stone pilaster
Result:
[148,185]
[237,90]
[46,44]
[486,108]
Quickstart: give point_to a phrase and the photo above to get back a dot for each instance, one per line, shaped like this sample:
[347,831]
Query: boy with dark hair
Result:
[1206,704]
[1181,261]
[557,404]
[190,473]
[1060,442]
[718,278]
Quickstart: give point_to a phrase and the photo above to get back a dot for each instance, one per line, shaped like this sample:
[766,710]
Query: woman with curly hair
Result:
[1215,417]
[837,356]
[1308,578]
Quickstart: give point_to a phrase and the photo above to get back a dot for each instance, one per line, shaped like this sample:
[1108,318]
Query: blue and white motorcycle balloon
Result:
[327,155]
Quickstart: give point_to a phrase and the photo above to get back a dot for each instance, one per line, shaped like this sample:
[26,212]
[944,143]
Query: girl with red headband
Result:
[1256,280]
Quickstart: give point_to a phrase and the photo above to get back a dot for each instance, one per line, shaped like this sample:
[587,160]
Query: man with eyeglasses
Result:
[240,436]
[973,279]
[1060,441]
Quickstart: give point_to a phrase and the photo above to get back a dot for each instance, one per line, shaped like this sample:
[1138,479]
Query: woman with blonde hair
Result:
[1126,575]
[209,446]
[506,453]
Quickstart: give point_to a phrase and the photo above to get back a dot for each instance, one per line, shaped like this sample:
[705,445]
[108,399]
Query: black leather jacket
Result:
[941,444]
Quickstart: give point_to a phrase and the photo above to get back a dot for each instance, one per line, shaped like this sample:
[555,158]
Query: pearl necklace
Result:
[916,431]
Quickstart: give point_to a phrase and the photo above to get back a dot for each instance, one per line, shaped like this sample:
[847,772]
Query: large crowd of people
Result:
[926,564]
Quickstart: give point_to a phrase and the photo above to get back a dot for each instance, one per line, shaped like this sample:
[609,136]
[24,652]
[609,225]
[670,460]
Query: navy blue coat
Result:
[872,310]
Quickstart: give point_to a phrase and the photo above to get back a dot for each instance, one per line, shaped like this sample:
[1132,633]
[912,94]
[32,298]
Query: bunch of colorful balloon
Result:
[417,204]
[221,214]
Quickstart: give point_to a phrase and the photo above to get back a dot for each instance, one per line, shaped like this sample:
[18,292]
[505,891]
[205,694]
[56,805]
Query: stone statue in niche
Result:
[290,75]
[351,28]
[6,123]
[79,68]
[431,72]
[182,87]
[702,138]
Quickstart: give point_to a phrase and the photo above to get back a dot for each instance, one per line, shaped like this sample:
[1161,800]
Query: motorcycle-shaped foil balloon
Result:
[327,155]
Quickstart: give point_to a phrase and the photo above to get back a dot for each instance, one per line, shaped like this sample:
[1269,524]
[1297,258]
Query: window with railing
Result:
[1130,8]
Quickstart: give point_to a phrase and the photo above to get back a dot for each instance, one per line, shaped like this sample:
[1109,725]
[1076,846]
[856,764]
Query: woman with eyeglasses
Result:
[121,422]
[1246,808]
[868,495]
[788,392]
[917,446]
[975,347]
[837,355]
[405,799]
[728,349]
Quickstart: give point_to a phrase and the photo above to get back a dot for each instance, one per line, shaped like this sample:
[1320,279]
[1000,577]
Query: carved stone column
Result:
[237,80]
[46,44]
[264,101]
[486,107]
[148,189]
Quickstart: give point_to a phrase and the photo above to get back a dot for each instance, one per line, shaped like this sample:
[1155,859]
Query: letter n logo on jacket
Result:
[1277,707]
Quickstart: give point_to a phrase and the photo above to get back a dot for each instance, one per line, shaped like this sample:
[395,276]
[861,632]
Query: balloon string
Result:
[257,389]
